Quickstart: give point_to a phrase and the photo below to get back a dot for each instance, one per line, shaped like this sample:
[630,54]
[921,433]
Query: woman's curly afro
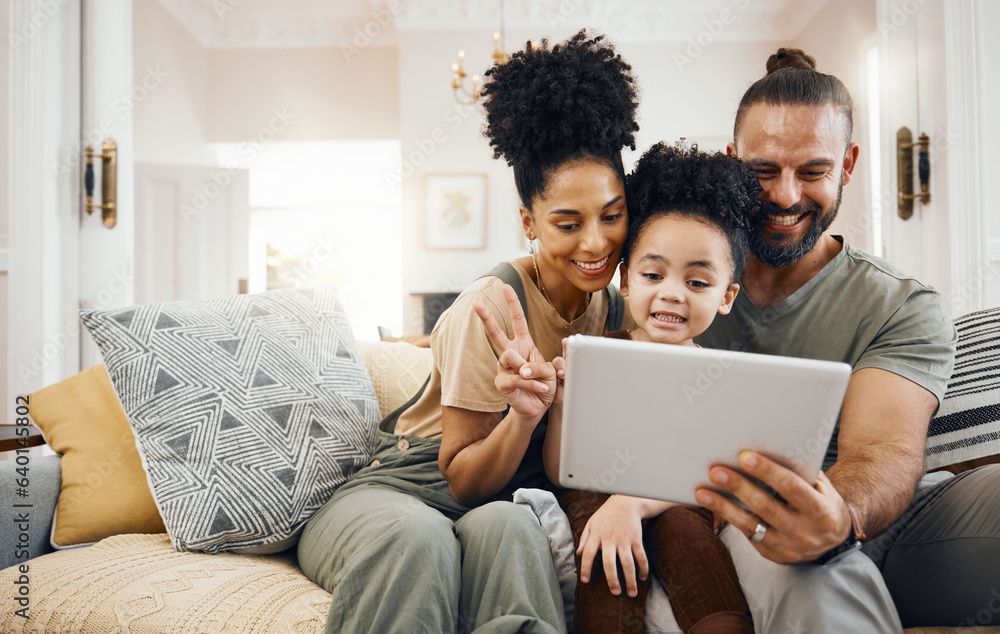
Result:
[714,188]
[546,106]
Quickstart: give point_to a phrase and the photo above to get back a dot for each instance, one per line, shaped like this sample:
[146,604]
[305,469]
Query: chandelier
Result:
[464,93]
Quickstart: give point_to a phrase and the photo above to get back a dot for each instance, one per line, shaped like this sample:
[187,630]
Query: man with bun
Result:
[930,547]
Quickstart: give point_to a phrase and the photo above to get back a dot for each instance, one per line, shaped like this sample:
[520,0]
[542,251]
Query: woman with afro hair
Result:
[426,538]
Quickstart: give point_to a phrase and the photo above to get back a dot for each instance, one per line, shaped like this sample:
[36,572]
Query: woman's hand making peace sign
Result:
[524,378]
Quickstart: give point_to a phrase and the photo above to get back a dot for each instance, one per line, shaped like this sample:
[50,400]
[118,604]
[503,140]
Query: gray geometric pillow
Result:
[249,411]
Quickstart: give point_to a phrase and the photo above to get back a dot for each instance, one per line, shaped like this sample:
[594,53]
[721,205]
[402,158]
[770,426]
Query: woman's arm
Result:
[480,452]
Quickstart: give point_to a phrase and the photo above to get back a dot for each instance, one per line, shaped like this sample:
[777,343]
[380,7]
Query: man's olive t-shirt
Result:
[858,309]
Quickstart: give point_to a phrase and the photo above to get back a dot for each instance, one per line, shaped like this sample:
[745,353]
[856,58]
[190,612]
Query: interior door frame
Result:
[966,165]
[945,242]
[43,201]
[106,257]
[68,70]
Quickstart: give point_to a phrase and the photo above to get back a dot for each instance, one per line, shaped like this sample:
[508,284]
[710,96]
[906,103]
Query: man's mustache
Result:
[766,209]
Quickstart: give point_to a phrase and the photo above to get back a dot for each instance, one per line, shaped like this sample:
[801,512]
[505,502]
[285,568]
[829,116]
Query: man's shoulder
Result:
[865,267]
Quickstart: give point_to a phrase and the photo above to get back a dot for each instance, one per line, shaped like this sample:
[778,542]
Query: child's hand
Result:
[616,530]
[559,364]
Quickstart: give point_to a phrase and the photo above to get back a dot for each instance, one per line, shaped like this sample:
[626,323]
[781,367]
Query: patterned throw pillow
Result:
[967,426]
[249,411]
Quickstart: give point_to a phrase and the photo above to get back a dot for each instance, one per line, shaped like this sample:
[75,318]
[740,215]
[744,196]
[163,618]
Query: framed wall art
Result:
[455,208]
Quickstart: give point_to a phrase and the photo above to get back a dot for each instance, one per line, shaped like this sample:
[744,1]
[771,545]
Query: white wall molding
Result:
[301,23]
[43,203]
[965,156]
[3,260]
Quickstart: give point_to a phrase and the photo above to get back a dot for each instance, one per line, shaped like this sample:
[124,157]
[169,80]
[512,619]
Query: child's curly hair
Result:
[546,106]
[714,188]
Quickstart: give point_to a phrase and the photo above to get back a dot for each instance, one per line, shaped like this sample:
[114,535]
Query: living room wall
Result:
[695,100]
[4,153]
[171,122]
[835,37]
[226,95]
[331,98]
[403,92]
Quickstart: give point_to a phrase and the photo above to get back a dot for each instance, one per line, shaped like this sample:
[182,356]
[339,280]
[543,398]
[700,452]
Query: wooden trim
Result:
[10,441]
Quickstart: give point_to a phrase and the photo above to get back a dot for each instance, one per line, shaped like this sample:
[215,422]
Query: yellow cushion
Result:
[104,489]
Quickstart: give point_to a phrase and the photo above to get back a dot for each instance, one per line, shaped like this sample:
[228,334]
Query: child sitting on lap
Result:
[685,252]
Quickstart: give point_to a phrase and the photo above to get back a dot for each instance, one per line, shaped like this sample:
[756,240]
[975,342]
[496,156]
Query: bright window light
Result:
[321,213]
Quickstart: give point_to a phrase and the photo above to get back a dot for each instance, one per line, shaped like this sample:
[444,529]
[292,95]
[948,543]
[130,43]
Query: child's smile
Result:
[680,276]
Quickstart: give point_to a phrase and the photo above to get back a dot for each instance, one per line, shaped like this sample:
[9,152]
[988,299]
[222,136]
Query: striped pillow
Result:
[967,426]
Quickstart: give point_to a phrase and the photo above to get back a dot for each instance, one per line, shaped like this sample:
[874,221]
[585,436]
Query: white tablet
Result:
[649,419]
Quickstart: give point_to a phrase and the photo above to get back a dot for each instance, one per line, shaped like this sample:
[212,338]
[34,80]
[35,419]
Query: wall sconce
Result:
[109,182]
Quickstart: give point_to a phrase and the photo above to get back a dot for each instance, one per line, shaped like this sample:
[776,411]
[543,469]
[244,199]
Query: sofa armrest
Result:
[27,534]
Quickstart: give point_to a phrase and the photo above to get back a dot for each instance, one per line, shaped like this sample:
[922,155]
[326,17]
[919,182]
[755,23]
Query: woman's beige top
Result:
[465,363]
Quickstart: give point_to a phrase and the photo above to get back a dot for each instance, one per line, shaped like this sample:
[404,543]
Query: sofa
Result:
[139,582]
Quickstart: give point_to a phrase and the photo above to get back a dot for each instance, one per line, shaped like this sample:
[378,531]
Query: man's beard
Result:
[782,251]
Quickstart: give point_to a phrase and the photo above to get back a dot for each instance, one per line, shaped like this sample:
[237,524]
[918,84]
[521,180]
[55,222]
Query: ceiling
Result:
[310,23]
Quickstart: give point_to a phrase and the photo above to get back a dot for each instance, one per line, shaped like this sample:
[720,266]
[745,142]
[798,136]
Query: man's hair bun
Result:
[798,83]
[790,58]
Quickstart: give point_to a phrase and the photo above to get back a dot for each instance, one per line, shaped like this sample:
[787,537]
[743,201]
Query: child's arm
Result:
[553,434]
[616,530]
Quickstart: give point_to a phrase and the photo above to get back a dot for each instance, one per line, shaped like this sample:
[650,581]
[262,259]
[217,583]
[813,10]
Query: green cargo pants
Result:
[399,554]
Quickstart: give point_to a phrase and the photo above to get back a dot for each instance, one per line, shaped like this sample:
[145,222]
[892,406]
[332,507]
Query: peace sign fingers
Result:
[493,330]
[517,320]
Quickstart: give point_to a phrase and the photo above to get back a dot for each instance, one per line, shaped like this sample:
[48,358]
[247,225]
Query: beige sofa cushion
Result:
[397,370]
[139,584]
